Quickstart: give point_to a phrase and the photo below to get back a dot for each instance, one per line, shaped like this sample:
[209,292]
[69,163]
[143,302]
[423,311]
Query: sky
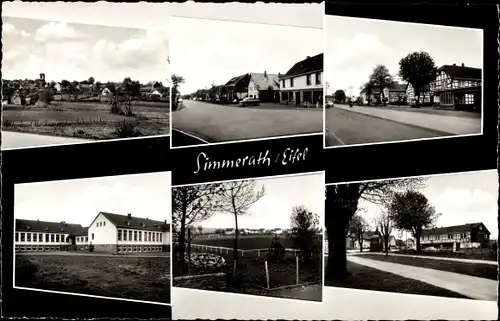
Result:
[206,51]
[354,46]
[79,201]
[73,51]
[461,198]
[274,208]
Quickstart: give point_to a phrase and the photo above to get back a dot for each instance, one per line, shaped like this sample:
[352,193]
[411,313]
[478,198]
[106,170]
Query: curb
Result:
[439,132]
[190,135]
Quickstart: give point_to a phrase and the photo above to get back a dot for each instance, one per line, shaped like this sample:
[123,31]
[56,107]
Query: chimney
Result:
[265,74]
[308,57]
[63,223]
[129,216]
[463,65]
[165,221]
[42,76]
[454,64]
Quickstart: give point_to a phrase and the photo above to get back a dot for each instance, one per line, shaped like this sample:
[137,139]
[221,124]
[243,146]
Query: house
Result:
[105,92]
[229,231]
[38,236]
[474,235]
[110,233]
[372,240]
[58,87]
[303,82]
[151,87]
[426,96]
[393,94]
[264,87]
[236,88]
[458,87]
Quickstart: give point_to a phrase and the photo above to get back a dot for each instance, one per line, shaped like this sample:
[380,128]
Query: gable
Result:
[305,66]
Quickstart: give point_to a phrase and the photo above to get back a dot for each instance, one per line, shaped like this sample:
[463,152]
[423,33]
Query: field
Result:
[139,278]
[88,120]
[245,242]
[251,277]
[366,278]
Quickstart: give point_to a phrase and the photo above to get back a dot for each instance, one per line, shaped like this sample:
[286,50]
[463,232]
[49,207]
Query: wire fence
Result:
[77,121]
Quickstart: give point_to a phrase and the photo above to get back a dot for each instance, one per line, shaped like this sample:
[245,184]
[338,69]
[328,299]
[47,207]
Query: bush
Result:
[205,260]
[126,129]
[8,123]
[91,248]
[25,270]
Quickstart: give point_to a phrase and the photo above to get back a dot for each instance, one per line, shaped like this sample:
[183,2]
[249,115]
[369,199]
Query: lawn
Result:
[430,110]
[487,255]
[366,278]
[487,271]
[138,278]
[89,120]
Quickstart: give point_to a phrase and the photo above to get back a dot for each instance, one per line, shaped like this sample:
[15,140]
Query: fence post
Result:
[267,274]
[296,270]
[258,253]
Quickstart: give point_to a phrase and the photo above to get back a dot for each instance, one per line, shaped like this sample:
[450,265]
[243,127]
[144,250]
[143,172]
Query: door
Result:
[297,98]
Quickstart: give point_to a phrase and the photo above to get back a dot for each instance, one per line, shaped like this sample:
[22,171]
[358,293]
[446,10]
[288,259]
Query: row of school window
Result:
[82,239]
[317,79]
[39,237]
[124,249]
[141,236]
[103,223]
[451,236]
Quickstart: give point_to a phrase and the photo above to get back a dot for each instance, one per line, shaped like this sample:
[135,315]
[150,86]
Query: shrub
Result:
[8,123]
[127,129]
[205,260]
[91,248]
[115,106]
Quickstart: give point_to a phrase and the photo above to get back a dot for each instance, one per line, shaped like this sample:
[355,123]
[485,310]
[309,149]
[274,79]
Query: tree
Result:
[384,224]
[176,82]
[304,230]
[411,211]
[339,95]
[200,229]
[237,197]
[192,204]
[341,204]
[327,87]
[367,89]
[380,78]
[91,80]
[357,228]
[419,70]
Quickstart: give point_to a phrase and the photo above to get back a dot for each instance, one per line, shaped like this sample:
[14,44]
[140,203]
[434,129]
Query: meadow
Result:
[128,277]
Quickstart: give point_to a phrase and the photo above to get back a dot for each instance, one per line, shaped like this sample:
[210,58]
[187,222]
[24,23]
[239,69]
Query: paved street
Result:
[24,140]
[218,123]
[345,127]
[470,286]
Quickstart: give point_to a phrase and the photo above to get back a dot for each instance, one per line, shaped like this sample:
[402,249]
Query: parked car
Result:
[329,104]
[247,101]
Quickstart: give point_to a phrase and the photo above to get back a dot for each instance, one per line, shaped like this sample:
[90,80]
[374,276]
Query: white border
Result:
[205,142]
[90,295]
[407,140]
[416,176]
[322,226]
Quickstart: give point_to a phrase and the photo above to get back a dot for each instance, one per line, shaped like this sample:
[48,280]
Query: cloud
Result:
[464,201]
[138,52]
[57,31]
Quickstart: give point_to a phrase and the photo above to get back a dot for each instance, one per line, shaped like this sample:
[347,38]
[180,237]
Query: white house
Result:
[263,86]
[106,92]
[303,82]
[58,87]
[112,233]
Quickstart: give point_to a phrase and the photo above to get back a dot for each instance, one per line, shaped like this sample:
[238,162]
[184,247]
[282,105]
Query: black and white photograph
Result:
[389,81]
[252,83]
[429,235]
[107,237]
[257,237]
[68,83]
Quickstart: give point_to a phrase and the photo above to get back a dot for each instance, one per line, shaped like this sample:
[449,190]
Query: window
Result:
[161,236]
[28,237]
[51,238]
[46,238]
[308,79]
[57,238]
[98,224]
[35,237]
[469,99]
[149,236]
[124,235]
[450,236]
[130,235]
[86,238]
[291,82]
[140,236]
[154,237]
[104,223]
[283,85]
[92,236]
[318,78]
[119,235]
[17,237]
[40,237]
[135,236]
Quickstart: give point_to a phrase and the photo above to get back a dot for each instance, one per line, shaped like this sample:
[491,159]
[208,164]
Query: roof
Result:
[307,65]
[83,232]
[397,87]
[263,81]
[235,80]
[462,72]
[132,222]
[48,227]
[452,229]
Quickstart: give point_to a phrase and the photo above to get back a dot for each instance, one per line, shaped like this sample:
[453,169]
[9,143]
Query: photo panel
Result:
[106,237]
[410,239]
[66,82]
[252,237]
[250,84]
[407,86]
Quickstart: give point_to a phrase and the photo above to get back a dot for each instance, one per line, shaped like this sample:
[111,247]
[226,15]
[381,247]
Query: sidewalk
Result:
[473,261]
[448,124]
[473,287]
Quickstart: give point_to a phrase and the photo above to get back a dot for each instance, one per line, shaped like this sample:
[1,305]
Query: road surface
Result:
[470,286]
[24,140]
[219,123]
[345,127]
